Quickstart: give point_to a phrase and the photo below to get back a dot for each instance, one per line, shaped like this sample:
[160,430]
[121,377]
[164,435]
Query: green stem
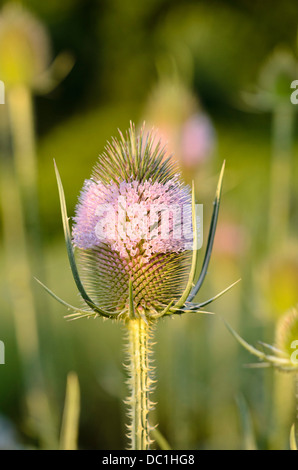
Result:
[281,173]
[18,200]
[21,115]
[139,383]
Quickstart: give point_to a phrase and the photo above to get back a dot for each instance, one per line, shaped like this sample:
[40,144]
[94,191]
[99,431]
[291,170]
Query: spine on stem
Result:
[139,382]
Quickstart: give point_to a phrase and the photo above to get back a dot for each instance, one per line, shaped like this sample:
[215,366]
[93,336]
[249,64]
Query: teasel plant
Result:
[282,356]
[132,277]
[271,94]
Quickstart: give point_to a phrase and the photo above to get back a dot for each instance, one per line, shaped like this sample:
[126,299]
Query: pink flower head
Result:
[134,218]
[133,222]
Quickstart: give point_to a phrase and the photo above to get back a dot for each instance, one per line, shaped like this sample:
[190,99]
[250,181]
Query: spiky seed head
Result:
[130,225]
[24,46]
[287,331]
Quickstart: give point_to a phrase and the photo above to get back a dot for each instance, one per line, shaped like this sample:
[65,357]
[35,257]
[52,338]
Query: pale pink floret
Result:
[123,211]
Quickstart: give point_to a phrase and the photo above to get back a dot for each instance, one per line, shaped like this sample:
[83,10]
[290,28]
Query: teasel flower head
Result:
[133,262]
[287,332]
[116,242]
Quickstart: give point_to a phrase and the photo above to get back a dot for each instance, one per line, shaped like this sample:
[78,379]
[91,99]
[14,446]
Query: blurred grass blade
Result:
[249,440]
[258,365]
[211,236]
[293,442]
[160,439]
[71,414]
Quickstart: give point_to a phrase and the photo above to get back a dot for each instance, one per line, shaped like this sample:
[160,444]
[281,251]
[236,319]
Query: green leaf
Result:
[160,439]
[70,307]
[198,306]
[167,308]
[247,425]
[70,253]
[278,362]
[189,284]
[211,236]
[246,345]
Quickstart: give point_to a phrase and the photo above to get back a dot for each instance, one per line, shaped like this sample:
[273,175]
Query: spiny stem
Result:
[139,383]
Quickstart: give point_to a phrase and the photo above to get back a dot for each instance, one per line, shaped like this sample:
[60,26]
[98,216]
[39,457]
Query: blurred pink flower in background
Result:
[197,140]
[182,126]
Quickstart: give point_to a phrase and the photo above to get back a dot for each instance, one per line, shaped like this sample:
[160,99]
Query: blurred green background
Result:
[214,78]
